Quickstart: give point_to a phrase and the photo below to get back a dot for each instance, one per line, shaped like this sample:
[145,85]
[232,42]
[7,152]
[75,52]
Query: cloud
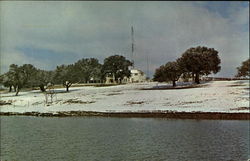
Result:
[67,31]
[14,57]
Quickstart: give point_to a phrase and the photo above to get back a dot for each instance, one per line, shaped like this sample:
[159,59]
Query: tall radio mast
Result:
[147,66]
[133,46]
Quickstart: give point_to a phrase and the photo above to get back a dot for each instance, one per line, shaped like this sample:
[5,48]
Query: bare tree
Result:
[49,94]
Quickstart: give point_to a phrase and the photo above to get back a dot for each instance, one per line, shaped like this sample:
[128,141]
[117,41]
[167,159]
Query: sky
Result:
[47,33]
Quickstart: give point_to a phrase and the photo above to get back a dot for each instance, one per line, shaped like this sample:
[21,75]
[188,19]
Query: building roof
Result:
[136,71]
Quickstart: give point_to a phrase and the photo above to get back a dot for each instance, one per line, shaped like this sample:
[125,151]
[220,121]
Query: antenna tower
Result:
[147,67]
[133,46]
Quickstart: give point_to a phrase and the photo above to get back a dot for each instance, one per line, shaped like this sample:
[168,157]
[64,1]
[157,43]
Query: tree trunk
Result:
[174,84]
[10,89]
[17,90]
[42,88]
[197,79]
[67,88]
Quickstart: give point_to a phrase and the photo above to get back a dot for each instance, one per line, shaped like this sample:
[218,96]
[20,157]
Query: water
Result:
[97,138]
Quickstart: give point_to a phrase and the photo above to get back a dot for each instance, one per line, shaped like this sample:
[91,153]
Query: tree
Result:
[28,73]
[85,69]
[171,71]
[16,77]
[25,76]
[7,80]
[64,75]
[159,74]
[244,69]
[118,66]
[42,78]
[13,77]
[22,76]
[200,61]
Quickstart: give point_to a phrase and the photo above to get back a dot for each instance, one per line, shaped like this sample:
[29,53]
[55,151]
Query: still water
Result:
[97,138]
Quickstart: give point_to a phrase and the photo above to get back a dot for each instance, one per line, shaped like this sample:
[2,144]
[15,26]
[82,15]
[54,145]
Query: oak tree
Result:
[200,61]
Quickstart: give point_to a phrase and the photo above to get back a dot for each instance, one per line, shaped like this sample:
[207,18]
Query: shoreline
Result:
[168,114]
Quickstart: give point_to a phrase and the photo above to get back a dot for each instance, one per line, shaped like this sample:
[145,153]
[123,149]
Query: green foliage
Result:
[244,69]
[116,65]
[27,73]
[19,77]
[7,80]
[200,61]
[62,74]
[171,71]
[159,74]
[42,78]
[87,69]
[193,62]
[65,75]
[84,70]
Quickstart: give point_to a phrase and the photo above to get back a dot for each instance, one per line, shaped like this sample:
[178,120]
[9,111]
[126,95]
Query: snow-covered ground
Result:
[216,96]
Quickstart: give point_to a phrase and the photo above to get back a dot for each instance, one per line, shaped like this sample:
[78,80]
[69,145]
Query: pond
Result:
[102,138]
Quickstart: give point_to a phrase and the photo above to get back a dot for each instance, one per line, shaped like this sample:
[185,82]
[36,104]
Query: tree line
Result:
[193,63]
[82,71]
[196,62]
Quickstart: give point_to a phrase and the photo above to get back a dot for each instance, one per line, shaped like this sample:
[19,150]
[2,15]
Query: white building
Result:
[110,78]
[135,77]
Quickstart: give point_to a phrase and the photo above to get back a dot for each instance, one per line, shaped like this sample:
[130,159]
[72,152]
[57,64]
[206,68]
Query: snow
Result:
[215,96]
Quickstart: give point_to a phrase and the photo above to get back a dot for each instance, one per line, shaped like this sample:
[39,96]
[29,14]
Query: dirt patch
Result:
[235,93]
[70,101]
[134,102]
[241,99]
[113,94]
[177,87]
[183,103]
[4,92]
[5,102]
[236,85]
[190,102]
[240,108]
[106,85]
[167,103]
[37,103]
